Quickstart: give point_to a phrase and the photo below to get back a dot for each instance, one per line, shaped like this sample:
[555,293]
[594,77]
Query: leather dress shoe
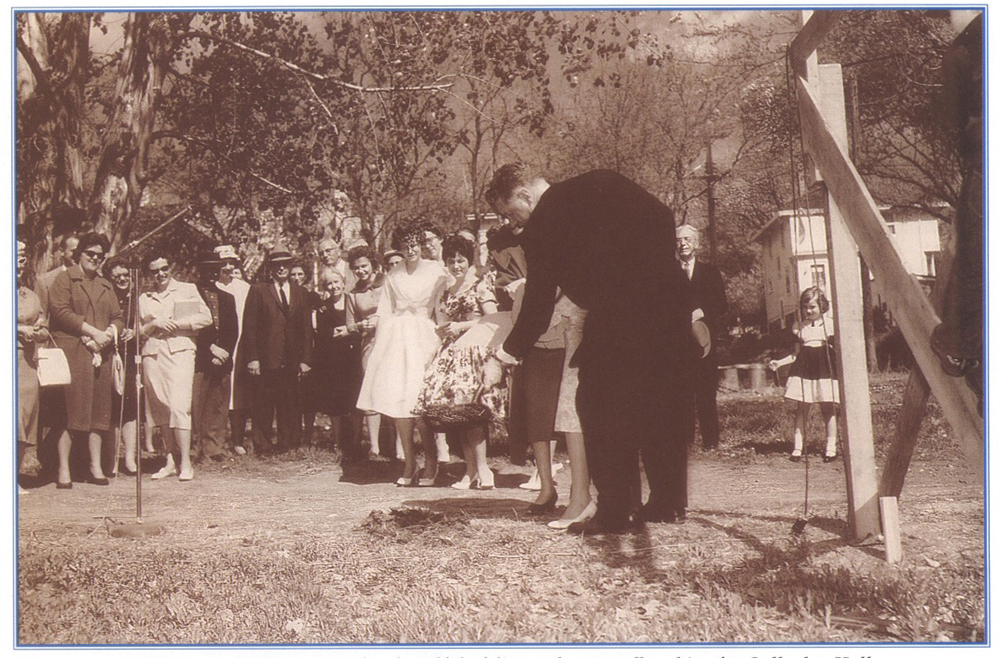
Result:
[64,485]
[602,526]
[99,481]
[653,514]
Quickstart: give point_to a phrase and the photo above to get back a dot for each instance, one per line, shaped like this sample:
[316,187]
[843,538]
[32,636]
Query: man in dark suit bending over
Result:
[607,244]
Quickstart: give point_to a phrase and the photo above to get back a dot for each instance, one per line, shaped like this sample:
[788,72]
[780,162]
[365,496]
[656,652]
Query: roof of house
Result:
[781,214]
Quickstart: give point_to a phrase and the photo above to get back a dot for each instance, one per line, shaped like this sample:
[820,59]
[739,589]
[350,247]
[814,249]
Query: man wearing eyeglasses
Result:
[634,360]
[329,253]
[277,337]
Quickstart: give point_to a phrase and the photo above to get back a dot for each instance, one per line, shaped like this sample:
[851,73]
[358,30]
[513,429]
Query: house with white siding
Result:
[794,256]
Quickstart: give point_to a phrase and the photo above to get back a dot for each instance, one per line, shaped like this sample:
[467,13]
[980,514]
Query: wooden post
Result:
[890,529]
[848,319]
[908,302]
[911,414]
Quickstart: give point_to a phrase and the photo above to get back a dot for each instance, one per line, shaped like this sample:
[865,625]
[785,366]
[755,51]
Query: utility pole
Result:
[710,181]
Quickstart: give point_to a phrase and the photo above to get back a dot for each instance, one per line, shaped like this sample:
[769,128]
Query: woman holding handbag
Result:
[85,315]
[32,329]
[125,407]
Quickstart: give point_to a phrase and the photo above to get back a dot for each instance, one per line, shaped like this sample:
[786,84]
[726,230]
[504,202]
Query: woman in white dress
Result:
[405,344]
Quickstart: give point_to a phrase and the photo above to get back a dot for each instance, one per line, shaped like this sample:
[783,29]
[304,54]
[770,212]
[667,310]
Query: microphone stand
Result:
[139,528]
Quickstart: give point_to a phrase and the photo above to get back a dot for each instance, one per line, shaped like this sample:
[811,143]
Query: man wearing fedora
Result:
[213,364]
[708,293]
[277,337]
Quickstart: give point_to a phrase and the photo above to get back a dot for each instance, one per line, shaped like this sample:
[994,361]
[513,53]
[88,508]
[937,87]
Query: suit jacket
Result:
[273,336]
[222,333]
[44,282]
[609,245]
[508,263]
[708,292]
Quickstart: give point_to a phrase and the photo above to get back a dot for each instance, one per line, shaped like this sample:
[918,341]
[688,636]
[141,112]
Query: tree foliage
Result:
[278,125]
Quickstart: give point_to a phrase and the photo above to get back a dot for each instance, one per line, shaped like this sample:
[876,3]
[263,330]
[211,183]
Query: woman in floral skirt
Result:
[454,378]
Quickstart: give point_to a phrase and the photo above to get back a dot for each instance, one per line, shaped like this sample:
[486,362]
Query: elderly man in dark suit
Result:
[277,337]
[213,365]
[708,294]
[608,245]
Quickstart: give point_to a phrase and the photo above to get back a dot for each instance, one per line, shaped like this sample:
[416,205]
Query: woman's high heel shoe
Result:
[485,483]
[537,509]
[465,483]
[427,482]
[404,481]
[588,513]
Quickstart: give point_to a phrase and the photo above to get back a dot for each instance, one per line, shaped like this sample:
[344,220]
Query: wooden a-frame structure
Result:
[854,224]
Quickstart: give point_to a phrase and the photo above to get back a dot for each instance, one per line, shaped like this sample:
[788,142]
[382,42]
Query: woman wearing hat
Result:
[32,329]
[240,393]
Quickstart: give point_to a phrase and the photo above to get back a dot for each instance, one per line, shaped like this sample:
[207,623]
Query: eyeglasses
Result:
[158,270]
[95,255]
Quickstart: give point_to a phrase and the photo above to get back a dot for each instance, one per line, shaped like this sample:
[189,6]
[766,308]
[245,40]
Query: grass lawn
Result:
[298,550]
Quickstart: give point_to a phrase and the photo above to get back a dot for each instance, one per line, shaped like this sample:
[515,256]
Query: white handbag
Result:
[53,367]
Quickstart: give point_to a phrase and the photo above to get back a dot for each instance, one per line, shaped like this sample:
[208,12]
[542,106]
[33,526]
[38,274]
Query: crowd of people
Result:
[423,337]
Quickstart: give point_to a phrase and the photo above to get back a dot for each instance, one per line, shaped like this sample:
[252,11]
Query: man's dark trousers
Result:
[629,400]
[278,392]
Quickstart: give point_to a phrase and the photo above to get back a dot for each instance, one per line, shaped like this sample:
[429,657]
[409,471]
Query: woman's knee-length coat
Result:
[73,300]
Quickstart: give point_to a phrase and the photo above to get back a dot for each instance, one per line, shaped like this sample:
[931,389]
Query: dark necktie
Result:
[284,299]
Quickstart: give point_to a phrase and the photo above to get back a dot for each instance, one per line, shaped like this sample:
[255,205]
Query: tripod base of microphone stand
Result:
[135,530]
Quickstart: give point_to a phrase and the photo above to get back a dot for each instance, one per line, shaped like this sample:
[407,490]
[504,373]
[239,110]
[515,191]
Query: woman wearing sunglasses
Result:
[84,316]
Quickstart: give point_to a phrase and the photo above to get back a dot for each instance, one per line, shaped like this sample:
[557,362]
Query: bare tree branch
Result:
[319,77]
[36,69]
[211,146]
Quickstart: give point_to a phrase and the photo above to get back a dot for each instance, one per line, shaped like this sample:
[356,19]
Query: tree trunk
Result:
[53,62]
[122,171]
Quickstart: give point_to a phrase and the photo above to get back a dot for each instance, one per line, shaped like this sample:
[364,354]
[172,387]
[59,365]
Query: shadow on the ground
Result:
[482,508]
[367,471]
[772,575]
[79,472]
